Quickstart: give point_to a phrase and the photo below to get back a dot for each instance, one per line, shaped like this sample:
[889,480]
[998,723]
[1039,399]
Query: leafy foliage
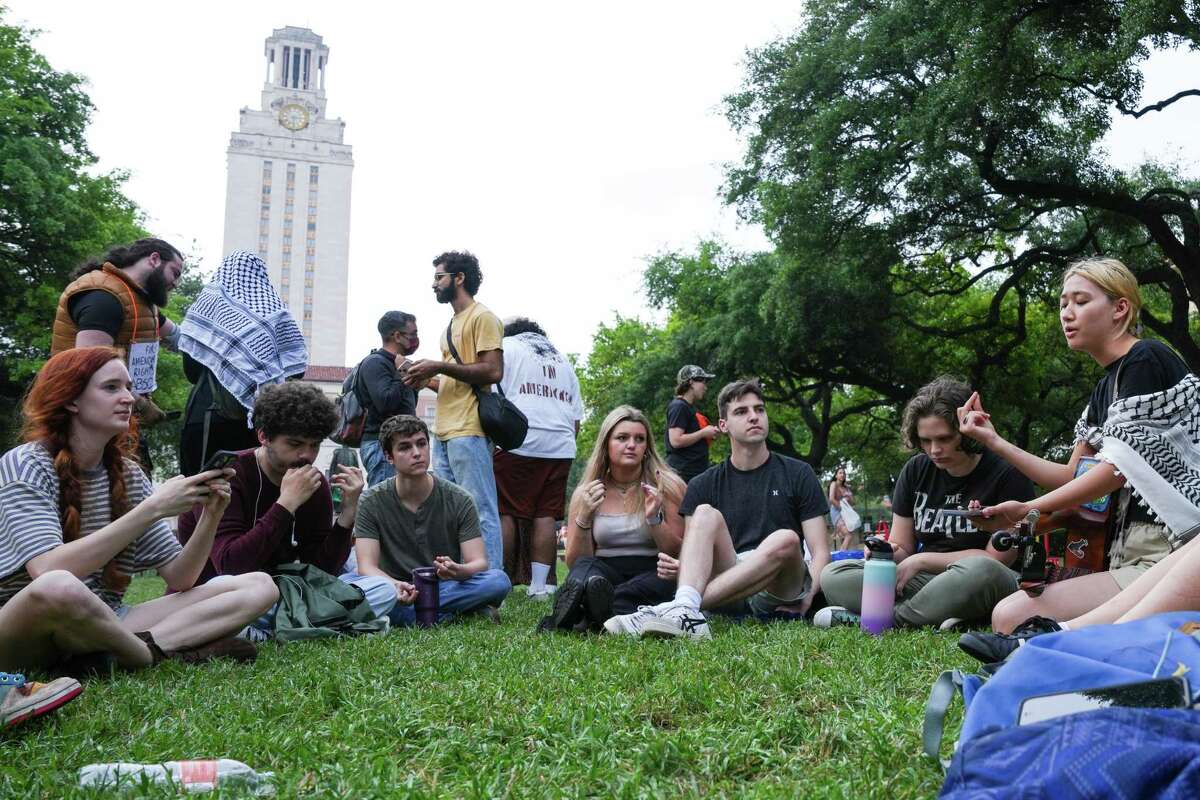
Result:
[961,144]
[54,213]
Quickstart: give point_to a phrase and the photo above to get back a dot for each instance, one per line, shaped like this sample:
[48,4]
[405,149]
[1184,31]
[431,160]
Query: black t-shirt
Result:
[923,490]
[97,310]
[1149,367]
[780,494]
[693,459]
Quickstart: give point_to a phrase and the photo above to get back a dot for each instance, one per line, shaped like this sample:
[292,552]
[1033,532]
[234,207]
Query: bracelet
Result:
[657,519]
[579,524]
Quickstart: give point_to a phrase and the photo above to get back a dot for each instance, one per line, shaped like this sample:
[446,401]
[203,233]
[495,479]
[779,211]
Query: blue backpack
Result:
[1070,661]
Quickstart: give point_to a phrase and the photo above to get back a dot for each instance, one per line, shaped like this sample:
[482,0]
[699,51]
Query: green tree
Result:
[960,143]
[53,212]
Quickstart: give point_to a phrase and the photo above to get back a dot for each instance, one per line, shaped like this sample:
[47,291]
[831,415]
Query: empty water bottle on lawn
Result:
[191,776]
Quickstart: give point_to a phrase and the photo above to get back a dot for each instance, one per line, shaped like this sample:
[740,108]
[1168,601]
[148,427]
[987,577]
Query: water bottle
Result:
[428,600]
[191,776]
[879,586]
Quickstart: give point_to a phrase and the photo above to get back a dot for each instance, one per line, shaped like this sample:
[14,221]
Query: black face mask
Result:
[157,288]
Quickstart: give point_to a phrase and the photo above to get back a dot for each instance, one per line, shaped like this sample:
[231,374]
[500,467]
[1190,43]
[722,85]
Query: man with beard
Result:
[115,301]
[382,388]
[461,452]
[748,520]
[281,507]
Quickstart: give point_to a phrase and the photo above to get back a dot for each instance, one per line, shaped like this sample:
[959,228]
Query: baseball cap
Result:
[692,372]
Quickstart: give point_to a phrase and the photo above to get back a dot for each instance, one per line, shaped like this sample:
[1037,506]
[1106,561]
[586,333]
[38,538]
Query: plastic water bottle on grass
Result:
[191,776]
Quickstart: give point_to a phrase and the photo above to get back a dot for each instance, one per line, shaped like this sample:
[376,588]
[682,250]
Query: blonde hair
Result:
[654,470]
[1116,281]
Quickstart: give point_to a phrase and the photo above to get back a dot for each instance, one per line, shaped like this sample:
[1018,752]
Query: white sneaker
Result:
[832,616]
[629,624]
[952,624]
[545,593]
[674,621]
[253,634]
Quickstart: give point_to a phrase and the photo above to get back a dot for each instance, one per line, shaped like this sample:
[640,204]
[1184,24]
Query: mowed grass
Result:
[479,710]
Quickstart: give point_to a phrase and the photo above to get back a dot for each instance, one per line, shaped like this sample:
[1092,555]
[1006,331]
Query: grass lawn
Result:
[478,710]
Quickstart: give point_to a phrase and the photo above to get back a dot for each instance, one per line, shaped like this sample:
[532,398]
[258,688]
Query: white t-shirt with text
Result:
[542,383]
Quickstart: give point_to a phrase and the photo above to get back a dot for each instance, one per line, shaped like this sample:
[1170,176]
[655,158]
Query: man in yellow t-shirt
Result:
[462,453]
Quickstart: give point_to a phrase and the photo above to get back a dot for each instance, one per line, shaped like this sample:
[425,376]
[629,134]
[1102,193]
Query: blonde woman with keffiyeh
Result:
[1141,422]
[236,338]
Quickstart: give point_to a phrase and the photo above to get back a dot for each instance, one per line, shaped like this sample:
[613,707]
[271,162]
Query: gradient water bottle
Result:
[879,586]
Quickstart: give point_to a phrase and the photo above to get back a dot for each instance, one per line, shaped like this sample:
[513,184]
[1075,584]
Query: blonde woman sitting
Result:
[624,512]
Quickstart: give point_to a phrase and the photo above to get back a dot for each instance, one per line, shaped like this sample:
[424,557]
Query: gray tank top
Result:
[623,535]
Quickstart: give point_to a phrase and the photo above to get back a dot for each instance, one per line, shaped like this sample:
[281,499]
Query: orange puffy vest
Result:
[141,316]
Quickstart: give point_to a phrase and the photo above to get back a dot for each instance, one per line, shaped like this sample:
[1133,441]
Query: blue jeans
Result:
[379,469]
[487,588]
[467,461]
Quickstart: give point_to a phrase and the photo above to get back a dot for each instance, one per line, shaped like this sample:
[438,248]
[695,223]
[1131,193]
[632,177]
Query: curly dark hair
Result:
[400,425]
[939,398]
[518,325]
[456,261]
[294,409]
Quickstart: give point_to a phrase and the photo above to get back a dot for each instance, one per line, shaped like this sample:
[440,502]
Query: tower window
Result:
[287,60]
[307,56]
[295,67]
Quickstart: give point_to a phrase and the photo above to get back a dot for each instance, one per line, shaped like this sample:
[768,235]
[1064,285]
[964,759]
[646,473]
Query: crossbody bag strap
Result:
[450,341]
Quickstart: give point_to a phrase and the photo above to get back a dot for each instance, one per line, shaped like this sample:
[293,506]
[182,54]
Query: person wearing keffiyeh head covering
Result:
[237,337]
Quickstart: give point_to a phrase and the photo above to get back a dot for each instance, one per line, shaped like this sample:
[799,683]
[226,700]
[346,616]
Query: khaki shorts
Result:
[764,603]
[1143,545]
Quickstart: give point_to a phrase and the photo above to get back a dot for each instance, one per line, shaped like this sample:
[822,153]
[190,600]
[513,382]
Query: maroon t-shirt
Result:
[256,533]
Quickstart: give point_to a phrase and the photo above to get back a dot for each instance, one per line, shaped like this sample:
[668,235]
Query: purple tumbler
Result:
[426,581]
[879,586]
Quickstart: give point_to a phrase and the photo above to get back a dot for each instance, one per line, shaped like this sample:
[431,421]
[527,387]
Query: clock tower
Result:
[287,195]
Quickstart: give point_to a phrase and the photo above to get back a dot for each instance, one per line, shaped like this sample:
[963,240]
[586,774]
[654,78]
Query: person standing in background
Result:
[688,438]
[531,481]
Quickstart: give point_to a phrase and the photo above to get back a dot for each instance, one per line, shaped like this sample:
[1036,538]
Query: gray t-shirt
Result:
[30,523]
[440,525]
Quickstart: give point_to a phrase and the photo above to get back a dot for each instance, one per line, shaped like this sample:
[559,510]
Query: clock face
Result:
[293,117]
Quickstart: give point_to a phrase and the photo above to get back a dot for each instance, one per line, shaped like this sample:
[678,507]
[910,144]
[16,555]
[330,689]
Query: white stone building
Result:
[288,191]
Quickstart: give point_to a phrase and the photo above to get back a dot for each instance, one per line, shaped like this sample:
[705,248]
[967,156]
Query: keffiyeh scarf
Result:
[240,329]
[1154,441]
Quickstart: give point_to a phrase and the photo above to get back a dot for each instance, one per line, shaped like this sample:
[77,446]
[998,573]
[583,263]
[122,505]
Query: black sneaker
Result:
[989,648]
[597,600]
[568,608]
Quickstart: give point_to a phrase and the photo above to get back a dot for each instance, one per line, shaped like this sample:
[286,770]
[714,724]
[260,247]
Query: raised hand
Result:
[350,481]
[593,498]
[976,423]
[298,485]
[176,495]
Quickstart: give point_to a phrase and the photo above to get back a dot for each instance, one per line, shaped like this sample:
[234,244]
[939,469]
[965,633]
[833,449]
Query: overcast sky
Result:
[563,144]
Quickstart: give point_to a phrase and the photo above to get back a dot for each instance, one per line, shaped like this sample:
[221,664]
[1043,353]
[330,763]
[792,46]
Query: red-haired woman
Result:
[78,518]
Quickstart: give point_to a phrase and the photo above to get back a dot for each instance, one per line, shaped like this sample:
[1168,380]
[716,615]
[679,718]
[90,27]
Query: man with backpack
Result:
[381,389]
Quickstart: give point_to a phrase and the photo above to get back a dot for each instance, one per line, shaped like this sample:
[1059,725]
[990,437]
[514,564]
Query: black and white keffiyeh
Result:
[1154,441]
[240,329]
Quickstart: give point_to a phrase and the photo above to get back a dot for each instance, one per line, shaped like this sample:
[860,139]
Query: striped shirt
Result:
[30,524]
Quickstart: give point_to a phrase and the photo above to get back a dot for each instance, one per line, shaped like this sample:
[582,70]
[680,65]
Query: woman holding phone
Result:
[947,570]
[79,518]
[624,512]
[1145,393]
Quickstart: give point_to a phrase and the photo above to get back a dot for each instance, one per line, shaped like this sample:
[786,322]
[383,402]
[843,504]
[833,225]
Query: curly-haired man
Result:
[461,452]
[281,507]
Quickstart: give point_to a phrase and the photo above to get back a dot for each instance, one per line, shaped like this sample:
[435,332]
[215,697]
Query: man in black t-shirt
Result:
[748,521]
[687,437]
[382,389]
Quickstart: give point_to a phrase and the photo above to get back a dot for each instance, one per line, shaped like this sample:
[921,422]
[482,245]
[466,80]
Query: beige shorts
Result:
[1143,545]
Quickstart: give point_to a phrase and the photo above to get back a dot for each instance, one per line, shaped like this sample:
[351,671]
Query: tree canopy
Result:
[54,212]
[943,145]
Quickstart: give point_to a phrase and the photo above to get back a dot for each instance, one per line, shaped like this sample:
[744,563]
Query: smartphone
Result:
[1159,693]
[969,513]
[220,460]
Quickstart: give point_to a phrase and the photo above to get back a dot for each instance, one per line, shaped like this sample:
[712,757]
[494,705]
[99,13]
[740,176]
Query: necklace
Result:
[623,488]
